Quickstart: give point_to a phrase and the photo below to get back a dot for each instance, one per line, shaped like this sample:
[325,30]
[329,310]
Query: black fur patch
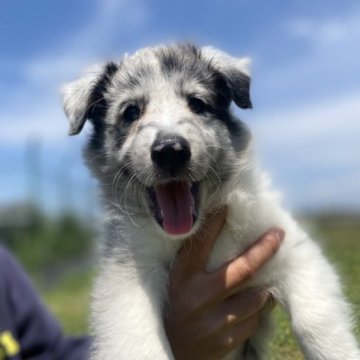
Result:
[97,106]
[186,61]
[240,88]
[181,58]
[133,78]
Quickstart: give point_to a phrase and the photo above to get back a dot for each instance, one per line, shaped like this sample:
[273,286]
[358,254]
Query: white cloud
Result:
[40,113]
[48,124]
[112,20]
[313,151]
[51,71]
[338,191]
[320,135]
[337,31]
[329,118]
[328,60]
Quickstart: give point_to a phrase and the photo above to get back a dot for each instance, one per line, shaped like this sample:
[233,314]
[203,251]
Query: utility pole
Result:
[33,171]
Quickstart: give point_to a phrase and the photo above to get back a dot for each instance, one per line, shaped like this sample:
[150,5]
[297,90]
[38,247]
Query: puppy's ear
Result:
[236,72]
[84,98]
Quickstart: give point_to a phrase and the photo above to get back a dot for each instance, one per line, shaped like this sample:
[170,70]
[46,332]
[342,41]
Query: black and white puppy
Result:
[167,150]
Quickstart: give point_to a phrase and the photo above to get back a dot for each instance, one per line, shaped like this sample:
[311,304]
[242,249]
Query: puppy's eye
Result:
[196,105]
[131,113]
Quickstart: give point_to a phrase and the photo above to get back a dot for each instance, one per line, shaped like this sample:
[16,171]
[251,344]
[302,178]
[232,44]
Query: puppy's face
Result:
[164,141]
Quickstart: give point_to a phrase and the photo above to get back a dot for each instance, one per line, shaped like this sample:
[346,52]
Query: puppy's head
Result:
[164,140]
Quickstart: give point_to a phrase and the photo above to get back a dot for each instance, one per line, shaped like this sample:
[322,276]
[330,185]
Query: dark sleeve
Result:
[37,331]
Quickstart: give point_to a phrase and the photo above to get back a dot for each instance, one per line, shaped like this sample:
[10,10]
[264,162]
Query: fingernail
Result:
[278,233]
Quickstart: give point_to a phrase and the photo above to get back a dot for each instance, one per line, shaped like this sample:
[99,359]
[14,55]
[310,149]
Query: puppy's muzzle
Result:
[171,153]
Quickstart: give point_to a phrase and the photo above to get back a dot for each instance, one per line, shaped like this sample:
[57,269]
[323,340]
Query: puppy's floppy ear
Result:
[84,98]
[236,72]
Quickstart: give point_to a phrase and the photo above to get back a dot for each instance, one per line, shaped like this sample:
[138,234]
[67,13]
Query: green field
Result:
[69,300]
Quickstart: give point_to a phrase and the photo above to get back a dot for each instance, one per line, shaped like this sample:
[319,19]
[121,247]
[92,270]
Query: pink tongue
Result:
[176,203]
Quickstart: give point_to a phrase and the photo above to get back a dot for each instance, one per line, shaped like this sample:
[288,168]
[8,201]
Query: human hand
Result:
[207,316]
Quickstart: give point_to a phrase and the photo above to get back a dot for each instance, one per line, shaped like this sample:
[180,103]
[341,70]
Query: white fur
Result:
[128,304]
[75,96]
[224,60]
[131,289]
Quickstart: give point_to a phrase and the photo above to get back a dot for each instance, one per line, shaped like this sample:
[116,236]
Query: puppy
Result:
[167,150]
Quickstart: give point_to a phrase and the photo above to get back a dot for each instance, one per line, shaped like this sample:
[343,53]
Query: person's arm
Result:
[207,316]
[37,332]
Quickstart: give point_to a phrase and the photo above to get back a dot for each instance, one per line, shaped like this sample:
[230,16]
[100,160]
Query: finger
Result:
[234,274]
[242,332]
[194,254]
[208,234]
[242,306]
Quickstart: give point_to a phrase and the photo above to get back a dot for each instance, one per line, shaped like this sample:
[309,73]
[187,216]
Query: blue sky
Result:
[305,90]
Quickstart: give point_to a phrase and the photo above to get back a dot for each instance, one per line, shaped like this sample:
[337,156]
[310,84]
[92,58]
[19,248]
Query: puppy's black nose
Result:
[170,153]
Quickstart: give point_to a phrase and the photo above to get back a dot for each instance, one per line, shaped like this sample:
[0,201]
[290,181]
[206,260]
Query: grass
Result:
[340,240]
[70,301]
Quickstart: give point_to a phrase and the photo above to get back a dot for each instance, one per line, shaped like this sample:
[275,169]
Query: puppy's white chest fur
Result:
[130,296]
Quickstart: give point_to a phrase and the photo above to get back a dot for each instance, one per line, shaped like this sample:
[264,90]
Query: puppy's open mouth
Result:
[175,205]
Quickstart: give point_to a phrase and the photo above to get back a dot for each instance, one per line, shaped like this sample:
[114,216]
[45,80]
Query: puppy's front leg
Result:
[127,315]
[320,316]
